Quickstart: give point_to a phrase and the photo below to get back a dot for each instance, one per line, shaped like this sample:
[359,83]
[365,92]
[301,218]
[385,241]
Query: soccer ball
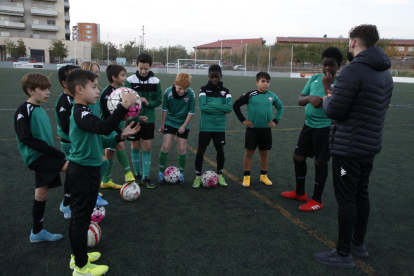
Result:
[209,179]
[172,175]
[98,214]
[116,97]
[130,191]
[94,234]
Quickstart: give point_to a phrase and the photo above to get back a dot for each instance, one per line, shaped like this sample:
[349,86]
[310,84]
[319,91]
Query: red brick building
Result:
[231,46]
[89,32]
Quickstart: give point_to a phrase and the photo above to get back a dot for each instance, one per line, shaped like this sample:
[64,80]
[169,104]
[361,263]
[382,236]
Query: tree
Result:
[58,49]
[21,48]
[14,50]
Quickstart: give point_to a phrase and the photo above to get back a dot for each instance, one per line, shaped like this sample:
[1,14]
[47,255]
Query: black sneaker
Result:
[332,258]
[147,182]
[138,178]
[359,250]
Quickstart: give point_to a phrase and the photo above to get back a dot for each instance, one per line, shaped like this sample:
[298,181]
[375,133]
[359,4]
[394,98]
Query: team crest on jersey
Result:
[19,116]
[223,93]
[270,99]
[62,109]
[186,99]
[84,113]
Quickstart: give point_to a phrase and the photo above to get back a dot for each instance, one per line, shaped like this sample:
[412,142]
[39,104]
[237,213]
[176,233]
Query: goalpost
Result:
[195,63]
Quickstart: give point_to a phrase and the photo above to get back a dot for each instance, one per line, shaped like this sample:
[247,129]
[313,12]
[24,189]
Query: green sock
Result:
[123,160]
[163,161]
[136,161]
[146,163]
[104,168]
[181,162]
[108,172]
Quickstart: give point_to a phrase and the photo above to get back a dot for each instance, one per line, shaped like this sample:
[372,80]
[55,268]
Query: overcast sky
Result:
[188,22]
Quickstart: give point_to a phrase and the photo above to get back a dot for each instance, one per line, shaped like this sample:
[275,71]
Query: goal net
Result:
[196,63]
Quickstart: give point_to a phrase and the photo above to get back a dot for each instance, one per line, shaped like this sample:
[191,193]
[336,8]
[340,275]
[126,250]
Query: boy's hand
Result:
[272,124]
[161,129]
[129,98]
[181,130]
[144,101]
[315,101]
[328,94]
[247,123]
[327,80]
[143,119]
[129,130]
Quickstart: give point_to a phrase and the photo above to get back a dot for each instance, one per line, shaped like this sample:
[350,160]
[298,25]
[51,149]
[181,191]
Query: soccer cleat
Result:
[90,270]
[161,180]
[67,212]
[100,194]
[92,257]
[181,179]
[197,182]
[138,178]
[129,177]
[44,236]
[332,258]
[100,201]
[246,181]
[265,180]
[294,195]
[222,181]
[311,205]
[110,185]
[147,182]
[359,250]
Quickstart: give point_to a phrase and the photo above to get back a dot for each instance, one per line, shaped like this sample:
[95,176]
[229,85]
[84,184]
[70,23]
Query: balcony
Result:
[67,31]
[12,25]
[66,4]
[11,9]
[44,12]
[67,18]
[46,28]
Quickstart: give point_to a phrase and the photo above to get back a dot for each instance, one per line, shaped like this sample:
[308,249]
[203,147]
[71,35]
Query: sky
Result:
[192,23]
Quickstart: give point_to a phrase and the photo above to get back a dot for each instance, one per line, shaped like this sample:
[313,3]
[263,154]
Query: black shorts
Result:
[174,131]
[258,137]
[47,171]
[314,142]
[204,138]
[145,133]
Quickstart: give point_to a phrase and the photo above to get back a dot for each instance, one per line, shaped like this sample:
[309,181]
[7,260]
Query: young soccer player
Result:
[35,143]
[215,102]
[149,88]
[94,68]
[177,111]
[259,124]
[87,135]
[116,75]
[314,138]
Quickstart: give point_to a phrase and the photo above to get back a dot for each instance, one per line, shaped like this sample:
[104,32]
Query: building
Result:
[37,23]
[231,46]
[405,47]
[89,32]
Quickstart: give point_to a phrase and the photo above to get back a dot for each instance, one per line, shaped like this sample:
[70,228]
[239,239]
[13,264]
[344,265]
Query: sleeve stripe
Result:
[164,109]
[190,113]
[202,94]
[228,96]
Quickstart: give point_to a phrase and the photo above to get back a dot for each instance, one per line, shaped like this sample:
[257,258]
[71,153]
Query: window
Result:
[51,36]
[36,35]
[88,32]
[35,5]
[88,36]
[35,21]
[50,7]
[51,22]
[4,33]
[401,49]
[410,49]
[88,27]
[4,18]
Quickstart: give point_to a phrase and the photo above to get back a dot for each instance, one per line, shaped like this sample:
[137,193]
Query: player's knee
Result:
[299,158]
[219,149]
[201,150]
[249,153]
[320,163]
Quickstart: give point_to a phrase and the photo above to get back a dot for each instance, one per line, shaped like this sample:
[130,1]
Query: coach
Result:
[357,104]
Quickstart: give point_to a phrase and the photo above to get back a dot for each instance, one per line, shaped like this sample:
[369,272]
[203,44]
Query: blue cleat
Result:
[67,212]
[181,179]
[161,180]
[101,202]
[44,236]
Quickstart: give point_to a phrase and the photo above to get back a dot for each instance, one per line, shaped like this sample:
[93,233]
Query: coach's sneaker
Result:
[92,257]
[90,270]
[246,181]
[332,258]
[44,236]
[181,179]
[294,195]
[197,182]
[110,185]
[161,180]
[100,201]
[138,178]
[147,182]
[311,205]
[359,250]
[129,177]
[222,181]
[67,212]
[265,180]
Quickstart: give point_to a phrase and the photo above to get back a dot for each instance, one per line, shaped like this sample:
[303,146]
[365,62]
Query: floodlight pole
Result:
[245,61]
[221,53]
[107,62]
[268,67]
[195,58]
[291,61]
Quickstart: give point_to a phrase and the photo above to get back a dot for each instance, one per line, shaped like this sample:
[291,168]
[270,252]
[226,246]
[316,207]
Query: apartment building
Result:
[88,32]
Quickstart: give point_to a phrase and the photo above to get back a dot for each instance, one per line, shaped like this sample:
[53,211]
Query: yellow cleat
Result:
[92,257]
[90,269]
[265,180]
[129,177]
[110,185]
[246,181]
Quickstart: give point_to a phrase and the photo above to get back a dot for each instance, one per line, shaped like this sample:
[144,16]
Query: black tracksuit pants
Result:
[351,178]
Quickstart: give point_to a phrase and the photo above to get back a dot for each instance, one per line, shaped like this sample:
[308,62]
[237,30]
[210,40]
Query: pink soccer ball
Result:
[209,179]
[172,175]
[98,214]
[116,97]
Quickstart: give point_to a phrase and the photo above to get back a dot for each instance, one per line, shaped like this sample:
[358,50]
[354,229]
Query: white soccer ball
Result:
[209,179]
[172,175]
[130,191]
[94,234]
[116,97]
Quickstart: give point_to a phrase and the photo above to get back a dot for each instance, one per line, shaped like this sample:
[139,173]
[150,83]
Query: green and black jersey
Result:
[178,107]
[87,134]
[103,101]
[148,87]
[34,133]
[63,110]
[259,108]
[215,102]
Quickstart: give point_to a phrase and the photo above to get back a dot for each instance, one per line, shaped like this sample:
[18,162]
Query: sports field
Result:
[178,230]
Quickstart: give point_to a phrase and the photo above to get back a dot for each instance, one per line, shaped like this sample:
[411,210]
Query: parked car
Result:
[203,66]
[11,59]
[68,62]
[189,66]
[23,60]
[239,67]
[170,65]
[157,65]
[33,60]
